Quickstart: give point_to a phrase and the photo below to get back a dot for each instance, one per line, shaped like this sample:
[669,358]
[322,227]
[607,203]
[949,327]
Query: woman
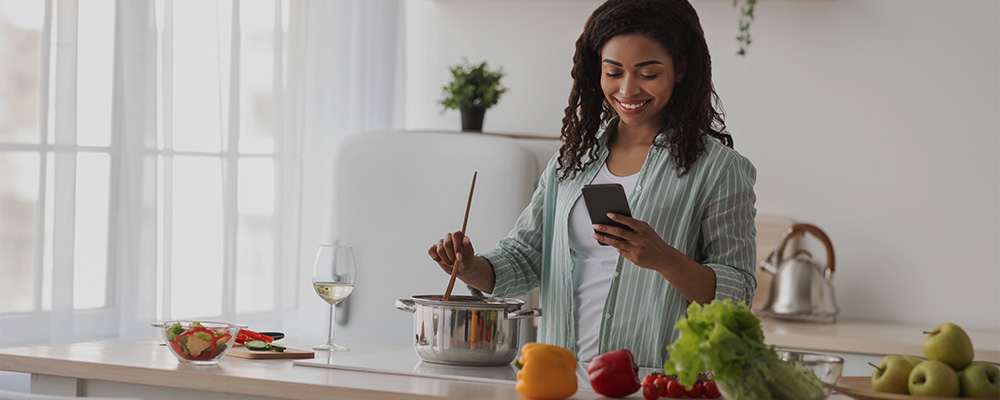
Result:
[642,113]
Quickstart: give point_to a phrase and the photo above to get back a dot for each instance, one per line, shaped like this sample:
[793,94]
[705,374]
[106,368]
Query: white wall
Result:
[877,120]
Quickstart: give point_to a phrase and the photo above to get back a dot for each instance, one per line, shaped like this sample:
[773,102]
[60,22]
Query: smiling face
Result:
[638,77]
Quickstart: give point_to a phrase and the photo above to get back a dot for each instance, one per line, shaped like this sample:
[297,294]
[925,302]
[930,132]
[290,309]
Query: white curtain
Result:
[213,183]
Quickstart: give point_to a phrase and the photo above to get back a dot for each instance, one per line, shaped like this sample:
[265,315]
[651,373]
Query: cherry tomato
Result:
[675,389]
[710,389]
[661,383]
[695,391]
[650,392]
[649,379]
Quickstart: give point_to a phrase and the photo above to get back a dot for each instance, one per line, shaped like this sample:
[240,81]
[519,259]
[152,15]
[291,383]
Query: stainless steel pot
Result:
[466,330]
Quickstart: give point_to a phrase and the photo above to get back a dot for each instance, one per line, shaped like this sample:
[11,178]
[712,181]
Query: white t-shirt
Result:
[593,268]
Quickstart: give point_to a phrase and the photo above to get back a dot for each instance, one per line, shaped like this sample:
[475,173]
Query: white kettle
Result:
[802,289]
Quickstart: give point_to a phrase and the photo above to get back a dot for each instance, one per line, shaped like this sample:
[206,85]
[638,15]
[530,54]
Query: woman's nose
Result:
[629,87]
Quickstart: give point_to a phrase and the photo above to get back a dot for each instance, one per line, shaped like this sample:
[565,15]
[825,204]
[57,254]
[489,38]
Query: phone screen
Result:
[602,199]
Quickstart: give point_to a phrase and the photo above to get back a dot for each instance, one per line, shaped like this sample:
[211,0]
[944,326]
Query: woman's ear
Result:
[681,68]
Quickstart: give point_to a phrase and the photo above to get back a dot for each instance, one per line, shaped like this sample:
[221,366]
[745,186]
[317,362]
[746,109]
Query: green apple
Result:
[914,360]
[948,343]
[891,375]
[980,379]
[933,378]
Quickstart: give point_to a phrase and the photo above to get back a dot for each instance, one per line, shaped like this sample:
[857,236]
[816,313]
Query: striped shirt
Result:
[708,214]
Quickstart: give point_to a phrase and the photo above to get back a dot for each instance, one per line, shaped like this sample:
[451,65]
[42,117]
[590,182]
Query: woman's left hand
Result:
[642,246]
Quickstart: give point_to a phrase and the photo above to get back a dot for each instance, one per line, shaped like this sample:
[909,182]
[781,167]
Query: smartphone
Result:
[602,199]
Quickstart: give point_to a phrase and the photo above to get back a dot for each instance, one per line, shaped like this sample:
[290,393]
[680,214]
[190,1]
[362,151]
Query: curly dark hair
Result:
[694,111]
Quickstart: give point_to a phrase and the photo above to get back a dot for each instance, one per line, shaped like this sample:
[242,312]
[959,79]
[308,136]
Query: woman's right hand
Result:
[451,248]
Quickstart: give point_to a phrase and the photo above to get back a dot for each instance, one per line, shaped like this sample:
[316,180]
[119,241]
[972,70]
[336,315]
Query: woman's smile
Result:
[633,106]
[638,78]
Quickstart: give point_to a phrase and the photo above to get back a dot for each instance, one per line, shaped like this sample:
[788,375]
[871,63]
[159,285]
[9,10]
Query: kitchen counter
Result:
[867,338]
[143,368]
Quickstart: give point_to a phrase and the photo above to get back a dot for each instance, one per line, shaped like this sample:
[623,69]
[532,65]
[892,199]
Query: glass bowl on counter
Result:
[198,342]
[794,375]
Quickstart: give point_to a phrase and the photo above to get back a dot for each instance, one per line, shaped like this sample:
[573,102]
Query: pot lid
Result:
[469,301]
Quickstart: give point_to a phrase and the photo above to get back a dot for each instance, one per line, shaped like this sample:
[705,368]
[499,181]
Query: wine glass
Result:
[333,278]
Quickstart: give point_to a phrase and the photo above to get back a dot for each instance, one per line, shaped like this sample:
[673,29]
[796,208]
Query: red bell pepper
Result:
[246,335]
[614,374]
[198,343]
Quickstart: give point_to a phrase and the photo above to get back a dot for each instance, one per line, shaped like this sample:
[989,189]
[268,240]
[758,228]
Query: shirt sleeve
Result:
[728,226]
[517,259]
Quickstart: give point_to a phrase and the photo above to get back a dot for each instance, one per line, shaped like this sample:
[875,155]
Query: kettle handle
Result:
[800,230]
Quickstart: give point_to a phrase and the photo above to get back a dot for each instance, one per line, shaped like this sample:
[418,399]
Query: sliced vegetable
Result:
[260,345]
[246,335]
[277,348]
[199,343]
[174,331]
[257,345]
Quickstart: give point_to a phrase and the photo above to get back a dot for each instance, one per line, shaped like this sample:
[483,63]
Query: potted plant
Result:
[473,89]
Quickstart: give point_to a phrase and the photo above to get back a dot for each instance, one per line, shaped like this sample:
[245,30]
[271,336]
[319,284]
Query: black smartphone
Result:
[602,199]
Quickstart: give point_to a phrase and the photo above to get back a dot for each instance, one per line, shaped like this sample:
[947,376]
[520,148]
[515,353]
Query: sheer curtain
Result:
[175,162]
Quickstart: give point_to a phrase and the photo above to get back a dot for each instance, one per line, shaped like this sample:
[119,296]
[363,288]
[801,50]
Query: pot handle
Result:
[534,312]
[406,305]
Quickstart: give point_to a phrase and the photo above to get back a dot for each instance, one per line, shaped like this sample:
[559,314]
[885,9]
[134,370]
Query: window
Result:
[128,167]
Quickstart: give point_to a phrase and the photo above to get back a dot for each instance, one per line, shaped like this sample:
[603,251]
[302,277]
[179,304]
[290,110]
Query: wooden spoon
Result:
[454,269]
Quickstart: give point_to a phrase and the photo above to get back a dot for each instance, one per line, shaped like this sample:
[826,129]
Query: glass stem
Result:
[333,309]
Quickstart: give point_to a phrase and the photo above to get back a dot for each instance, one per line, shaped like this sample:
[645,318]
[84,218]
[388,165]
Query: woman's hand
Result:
[455,250]
[642,246]
[451,248]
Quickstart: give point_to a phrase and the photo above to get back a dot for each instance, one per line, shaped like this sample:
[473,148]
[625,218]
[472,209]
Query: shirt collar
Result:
[662,139]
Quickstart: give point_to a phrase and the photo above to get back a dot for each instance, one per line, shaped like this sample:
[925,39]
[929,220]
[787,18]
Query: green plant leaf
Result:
[472,85]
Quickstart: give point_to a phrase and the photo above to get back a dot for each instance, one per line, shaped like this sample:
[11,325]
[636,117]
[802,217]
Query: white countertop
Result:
[867,337]
[144,363]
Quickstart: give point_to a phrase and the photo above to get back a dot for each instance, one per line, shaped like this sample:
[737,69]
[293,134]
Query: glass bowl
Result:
[198,342]
[794,375]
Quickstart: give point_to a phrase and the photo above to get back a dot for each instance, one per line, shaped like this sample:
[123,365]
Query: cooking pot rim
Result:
[468,301]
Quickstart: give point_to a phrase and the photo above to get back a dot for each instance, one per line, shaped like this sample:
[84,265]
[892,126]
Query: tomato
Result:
[650,392]
[695,391]
[649,379]
[710,390]
[661,383]
[674,389]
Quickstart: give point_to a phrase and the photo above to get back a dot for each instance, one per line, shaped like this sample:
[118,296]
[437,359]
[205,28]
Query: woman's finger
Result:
[443,251]
[433,252]
[630,222]
[467,247]
[623,233]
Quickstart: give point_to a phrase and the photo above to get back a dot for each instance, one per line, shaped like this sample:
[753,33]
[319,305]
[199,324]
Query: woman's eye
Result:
[649,76]
[613,74]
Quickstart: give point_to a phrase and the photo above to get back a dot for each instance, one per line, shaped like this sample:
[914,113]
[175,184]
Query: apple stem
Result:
[876,367]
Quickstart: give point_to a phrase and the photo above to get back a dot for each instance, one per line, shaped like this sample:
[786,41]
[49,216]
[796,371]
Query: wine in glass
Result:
[333,278]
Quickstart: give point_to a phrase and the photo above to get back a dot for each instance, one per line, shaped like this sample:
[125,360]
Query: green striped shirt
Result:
[708,214]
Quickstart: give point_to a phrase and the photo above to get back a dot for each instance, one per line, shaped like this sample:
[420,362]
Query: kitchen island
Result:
[146,369]
[143,368]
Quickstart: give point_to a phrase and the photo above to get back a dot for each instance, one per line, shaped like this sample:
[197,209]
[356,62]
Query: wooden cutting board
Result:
[289,353]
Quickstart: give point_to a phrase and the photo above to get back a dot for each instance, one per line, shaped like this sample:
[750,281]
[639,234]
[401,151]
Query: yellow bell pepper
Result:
[547,372]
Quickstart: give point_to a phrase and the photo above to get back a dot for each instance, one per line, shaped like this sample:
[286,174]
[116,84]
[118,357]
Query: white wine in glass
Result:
[333,278]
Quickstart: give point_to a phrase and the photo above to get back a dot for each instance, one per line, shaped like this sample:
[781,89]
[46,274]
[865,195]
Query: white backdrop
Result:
[876,120]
